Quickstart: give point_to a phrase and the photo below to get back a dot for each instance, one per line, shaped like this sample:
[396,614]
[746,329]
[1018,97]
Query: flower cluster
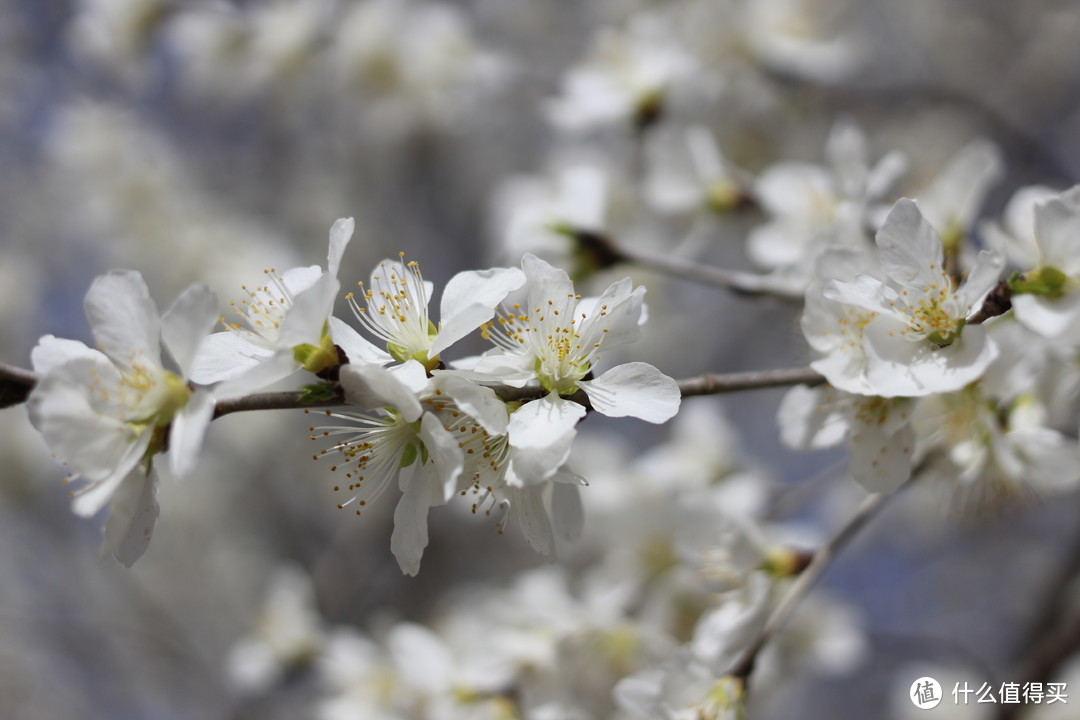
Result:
[437,428]
[925,368]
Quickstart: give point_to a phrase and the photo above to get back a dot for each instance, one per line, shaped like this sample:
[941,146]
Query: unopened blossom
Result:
[281,326]
[905,332]
[553,341]
[106,412]
[394,309]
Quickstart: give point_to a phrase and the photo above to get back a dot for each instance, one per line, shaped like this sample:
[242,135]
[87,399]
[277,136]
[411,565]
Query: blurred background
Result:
[206,141]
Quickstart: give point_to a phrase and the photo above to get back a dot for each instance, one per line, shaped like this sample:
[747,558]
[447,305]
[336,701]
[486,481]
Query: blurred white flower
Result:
[624,78]
[877,431]
[815,209]
[288,634]
[1046,298]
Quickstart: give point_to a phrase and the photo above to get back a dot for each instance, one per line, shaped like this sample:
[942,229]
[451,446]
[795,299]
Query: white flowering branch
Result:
[806,580]
[16,384]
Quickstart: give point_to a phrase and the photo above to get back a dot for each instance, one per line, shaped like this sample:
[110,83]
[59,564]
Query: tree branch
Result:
[16,384]
[606,252]
[806,580]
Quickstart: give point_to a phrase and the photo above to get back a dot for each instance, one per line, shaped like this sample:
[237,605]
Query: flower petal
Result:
[445,455]
[469,300]
[133,512]
[634,389]
[372,386]
[567,512]
[410,535]
[340,234]
[123,318]
[479,402]
[188,323]
[188,429]
[357,348]
[541,433]
[76,407]
[911,250]
[306,318]
[880,460]
[51,352]
[226,355]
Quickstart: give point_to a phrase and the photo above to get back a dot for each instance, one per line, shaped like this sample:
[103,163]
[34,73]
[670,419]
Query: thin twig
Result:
[605,252]
[742,283]
[806,580]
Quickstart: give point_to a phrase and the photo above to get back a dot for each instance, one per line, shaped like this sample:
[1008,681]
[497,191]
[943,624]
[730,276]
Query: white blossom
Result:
[106,412]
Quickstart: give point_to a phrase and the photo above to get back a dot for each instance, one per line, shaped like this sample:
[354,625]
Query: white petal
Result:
[51,352]
[133,512]
[909,246]
[567,512]
[123,318]
[527,507]
[959,189]
[479,402]
[881,461]
[634,389]
[89,500]
[981,280]
[422,657]
[513,370]
[1050,317]
[445,455]
[76,408]
[373,386]
[188,323]
[357,348]
[188,429]
[812,418]
[226,355]
[257,376]
[340,234]
[864,292]
[1057,224]
[469,300]
[619,311]
[897,367]
[546,282]
[410,535]
[310,310]
[541,433]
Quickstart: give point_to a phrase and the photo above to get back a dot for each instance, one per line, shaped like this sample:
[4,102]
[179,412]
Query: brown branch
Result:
[17,383]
